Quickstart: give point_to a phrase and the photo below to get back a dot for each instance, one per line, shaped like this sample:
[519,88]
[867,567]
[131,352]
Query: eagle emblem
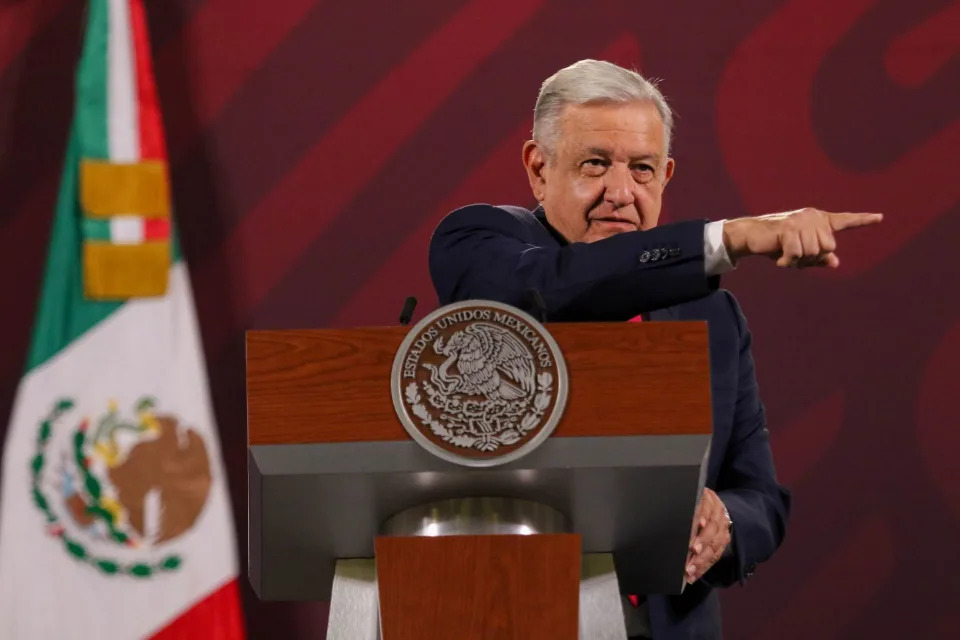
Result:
[478,382]
[489,360]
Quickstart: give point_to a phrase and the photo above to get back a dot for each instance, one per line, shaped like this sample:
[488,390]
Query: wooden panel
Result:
[479,587]
[334,385]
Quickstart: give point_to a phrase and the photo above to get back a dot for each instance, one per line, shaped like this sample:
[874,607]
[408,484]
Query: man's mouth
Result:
[615,222]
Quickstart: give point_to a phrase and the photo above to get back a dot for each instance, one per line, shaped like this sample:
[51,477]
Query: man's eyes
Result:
[596,166]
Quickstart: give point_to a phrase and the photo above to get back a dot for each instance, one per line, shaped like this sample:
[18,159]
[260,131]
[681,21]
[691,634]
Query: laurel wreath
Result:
[94,504]
[489,442]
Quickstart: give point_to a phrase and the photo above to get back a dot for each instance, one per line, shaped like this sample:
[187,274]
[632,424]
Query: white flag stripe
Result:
[126,229]
[123,125]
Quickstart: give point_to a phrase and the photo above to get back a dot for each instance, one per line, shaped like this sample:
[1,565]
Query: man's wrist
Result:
[728,550]
[733,232]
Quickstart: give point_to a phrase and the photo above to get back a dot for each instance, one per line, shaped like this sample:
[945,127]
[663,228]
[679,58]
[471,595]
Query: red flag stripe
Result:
[216,617]
[156,228]
[152,146]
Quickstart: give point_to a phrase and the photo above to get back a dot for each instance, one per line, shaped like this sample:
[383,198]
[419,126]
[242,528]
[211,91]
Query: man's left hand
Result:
[711,536]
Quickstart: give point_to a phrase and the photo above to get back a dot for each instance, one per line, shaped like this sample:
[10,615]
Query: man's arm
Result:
[747,485]
[485,252]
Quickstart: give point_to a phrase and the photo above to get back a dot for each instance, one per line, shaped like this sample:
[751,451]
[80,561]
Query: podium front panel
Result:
[628,495]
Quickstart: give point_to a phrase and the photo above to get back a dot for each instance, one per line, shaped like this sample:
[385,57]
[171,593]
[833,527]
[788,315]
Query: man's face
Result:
[607,172]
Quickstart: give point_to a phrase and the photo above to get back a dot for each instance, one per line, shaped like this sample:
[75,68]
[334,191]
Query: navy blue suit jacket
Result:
[506,253]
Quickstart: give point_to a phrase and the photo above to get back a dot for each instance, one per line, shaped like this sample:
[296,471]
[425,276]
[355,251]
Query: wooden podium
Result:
[330,463]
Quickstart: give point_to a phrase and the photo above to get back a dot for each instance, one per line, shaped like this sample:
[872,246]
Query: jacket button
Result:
[655,254]
[674,252]
[645,256]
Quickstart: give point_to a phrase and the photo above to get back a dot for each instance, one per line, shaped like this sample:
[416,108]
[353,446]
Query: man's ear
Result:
[668,170]
[534,162]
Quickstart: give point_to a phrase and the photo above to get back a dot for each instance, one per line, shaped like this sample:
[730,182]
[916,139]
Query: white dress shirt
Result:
[716,261]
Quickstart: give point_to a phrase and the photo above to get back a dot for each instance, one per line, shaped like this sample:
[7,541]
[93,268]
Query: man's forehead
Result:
[635,125]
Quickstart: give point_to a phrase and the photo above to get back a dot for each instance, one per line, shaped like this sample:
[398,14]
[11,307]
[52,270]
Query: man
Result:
[598,165]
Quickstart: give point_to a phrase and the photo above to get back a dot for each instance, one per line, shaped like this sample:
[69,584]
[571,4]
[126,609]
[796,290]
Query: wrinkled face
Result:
[606,172]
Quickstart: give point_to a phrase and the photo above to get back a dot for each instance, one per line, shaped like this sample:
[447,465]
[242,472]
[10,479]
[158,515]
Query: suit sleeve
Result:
[485,252]
[747,484]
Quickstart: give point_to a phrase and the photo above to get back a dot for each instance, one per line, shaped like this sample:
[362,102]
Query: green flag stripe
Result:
[90,123]
[63,313]
[96,229]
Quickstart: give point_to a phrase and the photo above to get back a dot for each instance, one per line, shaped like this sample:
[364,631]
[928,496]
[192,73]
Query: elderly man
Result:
[598,165]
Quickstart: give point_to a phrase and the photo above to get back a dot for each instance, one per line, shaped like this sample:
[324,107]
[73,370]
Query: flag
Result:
[115,520]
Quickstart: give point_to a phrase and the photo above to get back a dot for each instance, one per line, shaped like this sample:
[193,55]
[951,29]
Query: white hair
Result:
[593,81]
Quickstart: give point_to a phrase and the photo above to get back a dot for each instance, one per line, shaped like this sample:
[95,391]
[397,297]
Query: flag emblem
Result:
[120,488]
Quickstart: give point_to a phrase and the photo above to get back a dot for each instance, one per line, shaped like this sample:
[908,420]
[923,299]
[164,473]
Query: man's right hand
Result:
[801,238]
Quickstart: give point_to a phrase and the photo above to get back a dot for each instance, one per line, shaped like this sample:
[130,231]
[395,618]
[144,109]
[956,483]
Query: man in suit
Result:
[598,164]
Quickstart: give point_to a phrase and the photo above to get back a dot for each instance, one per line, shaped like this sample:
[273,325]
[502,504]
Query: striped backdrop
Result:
[315,144]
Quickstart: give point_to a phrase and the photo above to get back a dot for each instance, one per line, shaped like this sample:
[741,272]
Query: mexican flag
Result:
[114,513]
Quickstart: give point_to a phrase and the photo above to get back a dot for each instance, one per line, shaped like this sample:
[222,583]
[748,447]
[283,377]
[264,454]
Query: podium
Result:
[474,551]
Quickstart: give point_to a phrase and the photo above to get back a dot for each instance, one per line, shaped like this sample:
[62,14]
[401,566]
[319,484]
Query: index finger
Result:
[841,221]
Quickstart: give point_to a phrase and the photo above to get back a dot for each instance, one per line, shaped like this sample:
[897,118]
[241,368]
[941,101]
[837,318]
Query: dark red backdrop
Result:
[316,143]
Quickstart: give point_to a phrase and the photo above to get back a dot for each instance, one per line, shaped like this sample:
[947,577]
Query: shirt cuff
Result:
[716,261]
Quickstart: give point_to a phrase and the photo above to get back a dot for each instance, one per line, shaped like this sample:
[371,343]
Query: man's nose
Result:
[618,186]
